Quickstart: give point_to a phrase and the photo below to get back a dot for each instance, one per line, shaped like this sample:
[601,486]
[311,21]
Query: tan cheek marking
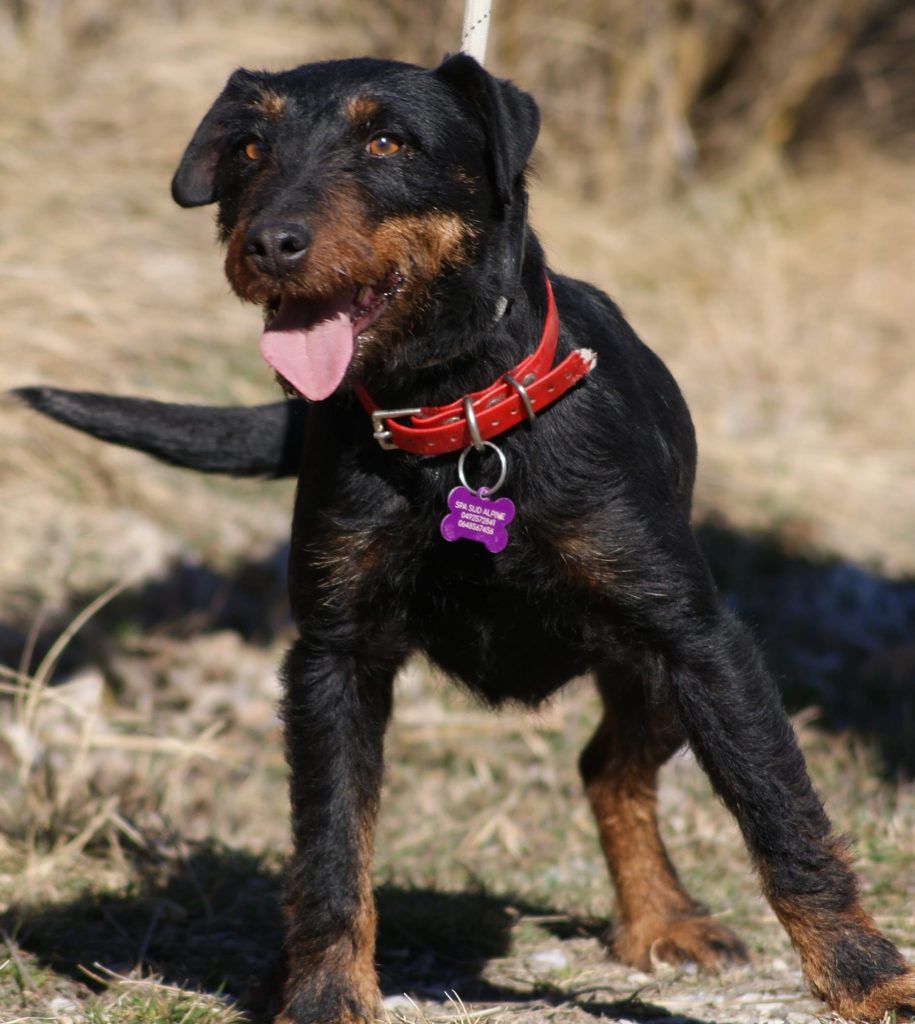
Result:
[422,245]
[341,253]
[348,248]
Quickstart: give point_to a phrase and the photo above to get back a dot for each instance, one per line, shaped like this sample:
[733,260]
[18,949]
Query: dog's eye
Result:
[384,144]
[253,150]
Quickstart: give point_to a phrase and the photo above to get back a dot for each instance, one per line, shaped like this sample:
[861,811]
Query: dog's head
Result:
[355,195]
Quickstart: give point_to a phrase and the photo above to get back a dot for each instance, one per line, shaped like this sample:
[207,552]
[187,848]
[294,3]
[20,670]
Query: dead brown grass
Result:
[785,313]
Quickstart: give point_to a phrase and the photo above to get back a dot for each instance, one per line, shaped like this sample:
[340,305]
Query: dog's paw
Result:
[339,1003]
[895,996]
[344,1012]
[696,940]
[342,1015]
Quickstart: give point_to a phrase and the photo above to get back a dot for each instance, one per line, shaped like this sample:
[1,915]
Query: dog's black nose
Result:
[275,248]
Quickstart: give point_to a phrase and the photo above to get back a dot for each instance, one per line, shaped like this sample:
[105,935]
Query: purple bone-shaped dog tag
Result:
[475,517]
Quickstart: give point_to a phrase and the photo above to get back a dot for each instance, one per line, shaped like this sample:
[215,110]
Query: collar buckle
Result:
[380,432]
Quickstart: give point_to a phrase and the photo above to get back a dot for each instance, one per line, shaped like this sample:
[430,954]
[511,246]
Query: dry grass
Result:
[786,314]
[142,815]
[140,877]
[653,93]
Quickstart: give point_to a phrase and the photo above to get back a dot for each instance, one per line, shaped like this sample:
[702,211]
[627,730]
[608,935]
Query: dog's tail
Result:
[261,440]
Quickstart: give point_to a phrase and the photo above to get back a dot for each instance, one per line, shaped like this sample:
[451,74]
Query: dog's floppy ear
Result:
[194,181]
[509,117]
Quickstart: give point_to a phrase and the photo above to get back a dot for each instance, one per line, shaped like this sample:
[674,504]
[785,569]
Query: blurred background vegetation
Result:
[659,92]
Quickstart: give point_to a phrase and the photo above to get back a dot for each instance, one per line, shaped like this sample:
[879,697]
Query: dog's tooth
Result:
[364,297]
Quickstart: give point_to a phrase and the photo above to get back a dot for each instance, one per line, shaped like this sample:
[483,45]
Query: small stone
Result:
[398,1002]
[63,1010]
[548,960]
[637,978]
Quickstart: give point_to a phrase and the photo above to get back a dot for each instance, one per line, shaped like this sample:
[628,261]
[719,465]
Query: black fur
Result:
[262,441]
[602,572]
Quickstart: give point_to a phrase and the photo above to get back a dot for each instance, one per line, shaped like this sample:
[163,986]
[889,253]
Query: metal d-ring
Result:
[472,426]
[523,395]
[503,470]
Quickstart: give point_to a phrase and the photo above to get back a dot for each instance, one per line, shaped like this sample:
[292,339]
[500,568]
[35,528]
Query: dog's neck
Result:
[476,348]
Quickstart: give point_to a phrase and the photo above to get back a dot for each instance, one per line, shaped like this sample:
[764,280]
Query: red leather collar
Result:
[436,430]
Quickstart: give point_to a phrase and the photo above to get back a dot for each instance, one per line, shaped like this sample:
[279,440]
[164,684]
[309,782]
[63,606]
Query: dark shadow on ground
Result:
[836,636]
[212,923]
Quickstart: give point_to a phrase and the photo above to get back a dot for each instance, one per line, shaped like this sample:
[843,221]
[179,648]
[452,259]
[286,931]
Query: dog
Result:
[378,213]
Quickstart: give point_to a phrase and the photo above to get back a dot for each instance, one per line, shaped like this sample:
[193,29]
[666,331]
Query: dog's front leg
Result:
[733,717]
[335,711]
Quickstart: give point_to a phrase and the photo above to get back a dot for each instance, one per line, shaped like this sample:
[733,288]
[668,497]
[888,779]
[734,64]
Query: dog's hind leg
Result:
[335,711]
[734,721]
[656,917]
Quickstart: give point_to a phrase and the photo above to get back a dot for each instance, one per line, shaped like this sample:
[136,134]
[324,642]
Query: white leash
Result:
[476,28]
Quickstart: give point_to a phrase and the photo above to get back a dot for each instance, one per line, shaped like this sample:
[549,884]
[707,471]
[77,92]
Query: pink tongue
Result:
[308,347]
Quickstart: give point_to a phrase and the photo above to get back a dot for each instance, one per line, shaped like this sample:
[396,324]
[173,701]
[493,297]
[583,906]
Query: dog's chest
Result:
[493,628]
[516,622]
[511,624]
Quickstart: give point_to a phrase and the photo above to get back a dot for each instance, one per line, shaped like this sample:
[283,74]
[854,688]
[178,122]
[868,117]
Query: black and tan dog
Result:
[377,211]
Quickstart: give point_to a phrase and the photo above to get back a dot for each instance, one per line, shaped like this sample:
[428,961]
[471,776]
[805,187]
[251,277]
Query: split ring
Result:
[503,470]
